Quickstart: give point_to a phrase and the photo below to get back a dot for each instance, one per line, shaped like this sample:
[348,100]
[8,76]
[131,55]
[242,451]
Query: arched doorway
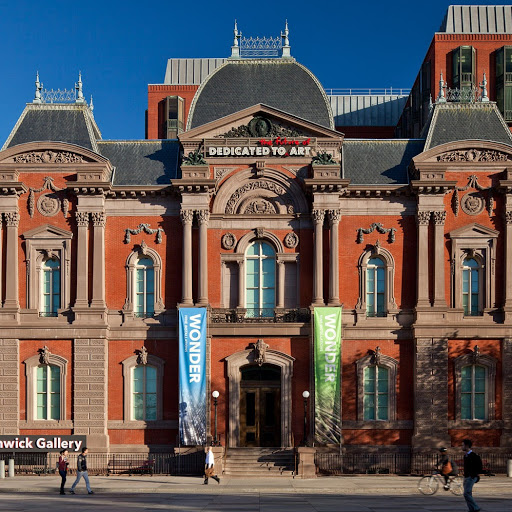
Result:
[260,405]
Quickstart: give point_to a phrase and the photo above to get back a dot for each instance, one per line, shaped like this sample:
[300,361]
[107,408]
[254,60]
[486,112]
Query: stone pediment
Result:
[474,231]
[260,121]
[47,231]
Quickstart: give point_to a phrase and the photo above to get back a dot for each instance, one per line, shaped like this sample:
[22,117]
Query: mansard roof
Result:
[72,123]
[379,162]
[467,121]
[280,83]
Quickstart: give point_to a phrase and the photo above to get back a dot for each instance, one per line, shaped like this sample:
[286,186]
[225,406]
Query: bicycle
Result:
[429,485]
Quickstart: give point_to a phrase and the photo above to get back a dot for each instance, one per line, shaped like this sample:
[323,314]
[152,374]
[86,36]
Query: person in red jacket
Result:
[63,469]
[472,468]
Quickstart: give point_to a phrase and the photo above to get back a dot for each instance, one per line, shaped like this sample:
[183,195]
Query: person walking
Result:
[82,472]
[472,468]
[63,469]
[209,468]
[447,467]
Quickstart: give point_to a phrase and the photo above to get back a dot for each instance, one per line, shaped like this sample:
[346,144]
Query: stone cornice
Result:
[376,190]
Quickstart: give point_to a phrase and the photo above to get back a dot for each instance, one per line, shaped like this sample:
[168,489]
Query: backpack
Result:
[447,468]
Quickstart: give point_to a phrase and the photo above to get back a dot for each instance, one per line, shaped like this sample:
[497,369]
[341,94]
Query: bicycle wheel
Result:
[457,486]
[428,485]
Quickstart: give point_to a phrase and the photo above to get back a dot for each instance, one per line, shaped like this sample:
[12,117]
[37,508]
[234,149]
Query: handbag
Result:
[447,468]
[209,471]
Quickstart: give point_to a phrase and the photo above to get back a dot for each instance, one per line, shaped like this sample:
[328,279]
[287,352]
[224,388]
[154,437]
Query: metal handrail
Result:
[391,91]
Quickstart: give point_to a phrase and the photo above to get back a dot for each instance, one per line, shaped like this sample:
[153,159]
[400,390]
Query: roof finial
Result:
[39,88]
[286,43]
[78,87]
[430,106]
[484,98]
[442,86]
[91,105]
[235,49]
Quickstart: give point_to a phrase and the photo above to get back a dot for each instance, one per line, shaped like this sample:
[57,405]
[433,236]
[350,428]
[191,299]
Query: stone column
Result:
[280,284]
[430,394]
[506,434]
[98,260]
[186,271]
[82,260]
[241,284]
[318,272]
[9,386]
[203,217]
[507,267]
[90,399]
[423,220]
[439,274]
[12,219]
[334,274]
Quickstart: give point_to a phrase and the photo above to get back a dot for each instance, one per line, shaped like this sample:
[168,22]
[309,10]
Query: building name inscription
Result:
[42,443]
[280,147]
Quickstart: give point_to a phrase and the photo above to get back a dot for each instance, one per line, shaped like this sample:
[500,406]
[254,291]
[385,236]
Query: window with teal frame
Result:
[376,393]
[260,278]
[50,300]
[471,287]
[375,287]
[144,288]
[48,392]
[473,393]
[144,385]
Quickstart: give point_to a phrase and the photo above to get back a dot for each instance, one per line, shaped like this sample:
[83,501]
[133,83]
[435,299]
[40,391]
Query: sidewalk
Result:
[343,485]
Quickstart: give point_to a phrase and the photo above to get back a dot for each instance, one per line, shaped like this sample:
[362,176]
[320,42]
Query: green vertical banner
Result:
[327,343]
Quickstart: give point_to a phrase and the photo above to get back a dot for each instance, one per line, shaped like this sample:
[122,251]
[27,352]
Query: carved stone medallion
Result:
[472,204]
[228,241]
[291,240]
[48,205]
[260,207]
[260,126]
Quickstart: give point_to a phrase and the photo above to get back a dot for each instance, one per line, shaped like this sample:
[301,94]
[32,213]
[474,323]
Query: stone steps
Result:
[259,462]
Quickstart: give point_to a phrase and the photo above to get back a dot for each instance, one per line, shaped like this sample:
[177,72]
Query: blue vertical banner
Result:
[192,376]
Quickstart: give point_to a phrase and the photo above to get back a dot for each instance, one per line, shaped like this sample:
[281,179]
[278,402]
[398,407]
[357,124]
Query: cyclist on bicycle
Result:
[447,467]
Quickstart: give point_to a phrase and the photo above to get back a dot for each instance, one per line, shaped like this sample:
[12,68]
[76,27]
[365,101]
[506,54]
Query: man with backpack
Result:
[82,472]
[472,468]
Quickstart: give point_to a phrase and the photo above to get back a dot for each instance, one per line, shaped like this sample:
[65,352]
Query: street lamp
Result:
[305,395]
[215,395]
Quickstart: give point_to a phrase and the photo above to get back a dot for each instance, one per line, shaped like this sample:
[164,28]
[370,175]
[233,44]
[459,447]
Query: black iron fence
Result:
[111,464]
[398,463]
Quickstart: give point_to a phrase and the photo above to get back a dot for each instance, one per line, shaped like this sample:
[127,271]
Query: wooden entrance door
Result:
[260,406]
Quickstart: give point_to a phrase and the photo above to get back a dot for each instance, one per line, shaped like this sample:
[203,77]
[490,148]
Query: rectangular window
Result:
[376,393]
[144,393]
[473,393]
[48,393]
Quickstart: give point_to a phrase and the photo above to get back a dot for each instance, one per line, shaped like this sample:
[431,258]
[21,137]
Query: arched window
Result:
[144,386]
[144,287]
[375,287]
[50,287]
[48,392]
[471,271]
[376,393]
[473,392]
[260,280]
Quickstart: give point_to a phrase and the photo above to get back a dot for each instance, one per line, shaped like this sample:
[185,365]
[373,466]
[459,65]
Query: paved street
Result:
[151,494]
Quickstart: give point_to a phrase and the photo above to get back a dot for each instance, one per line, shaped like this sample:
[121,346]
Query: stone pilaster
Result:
[318,273]
[280,284]
[506,435]
[423,220]
[203,217]
[439,274]
[334,273]
[82,260]
[430,394]
[90,387]
[98,260]
[9,386]
[187,217]
[507,267]
[12,220]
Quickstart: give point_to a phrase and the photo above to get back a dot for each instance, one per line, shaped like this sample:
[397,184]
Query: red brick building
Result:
[261,210]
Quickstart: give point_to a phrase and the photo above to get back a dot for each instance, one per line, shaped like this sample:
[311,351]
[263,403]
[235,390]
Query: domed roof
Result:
[280,83]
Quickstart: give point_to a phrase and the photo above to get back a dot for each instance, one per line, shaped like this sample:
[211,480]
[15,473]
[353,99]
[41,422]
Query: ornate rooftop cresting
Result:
[60,95]
[469,94]
[260,47]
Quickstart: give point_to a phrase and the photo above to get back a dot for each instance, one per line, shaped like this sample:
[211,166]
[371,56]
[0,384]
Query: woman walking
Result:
[63,469]
[209,468]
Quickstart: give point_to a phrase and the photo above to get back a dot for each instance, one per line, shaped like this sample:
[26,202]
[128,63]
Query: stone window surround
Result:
[478,242]
[234,365]
[31,365]
[239,256]
[389,280]
[391,365]
[128,364]
[489,363]
[37,250]
[131,262]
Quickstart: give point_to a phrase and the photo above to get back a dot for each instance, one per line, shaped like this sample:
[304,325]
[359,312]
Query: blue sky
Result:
[120,47]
